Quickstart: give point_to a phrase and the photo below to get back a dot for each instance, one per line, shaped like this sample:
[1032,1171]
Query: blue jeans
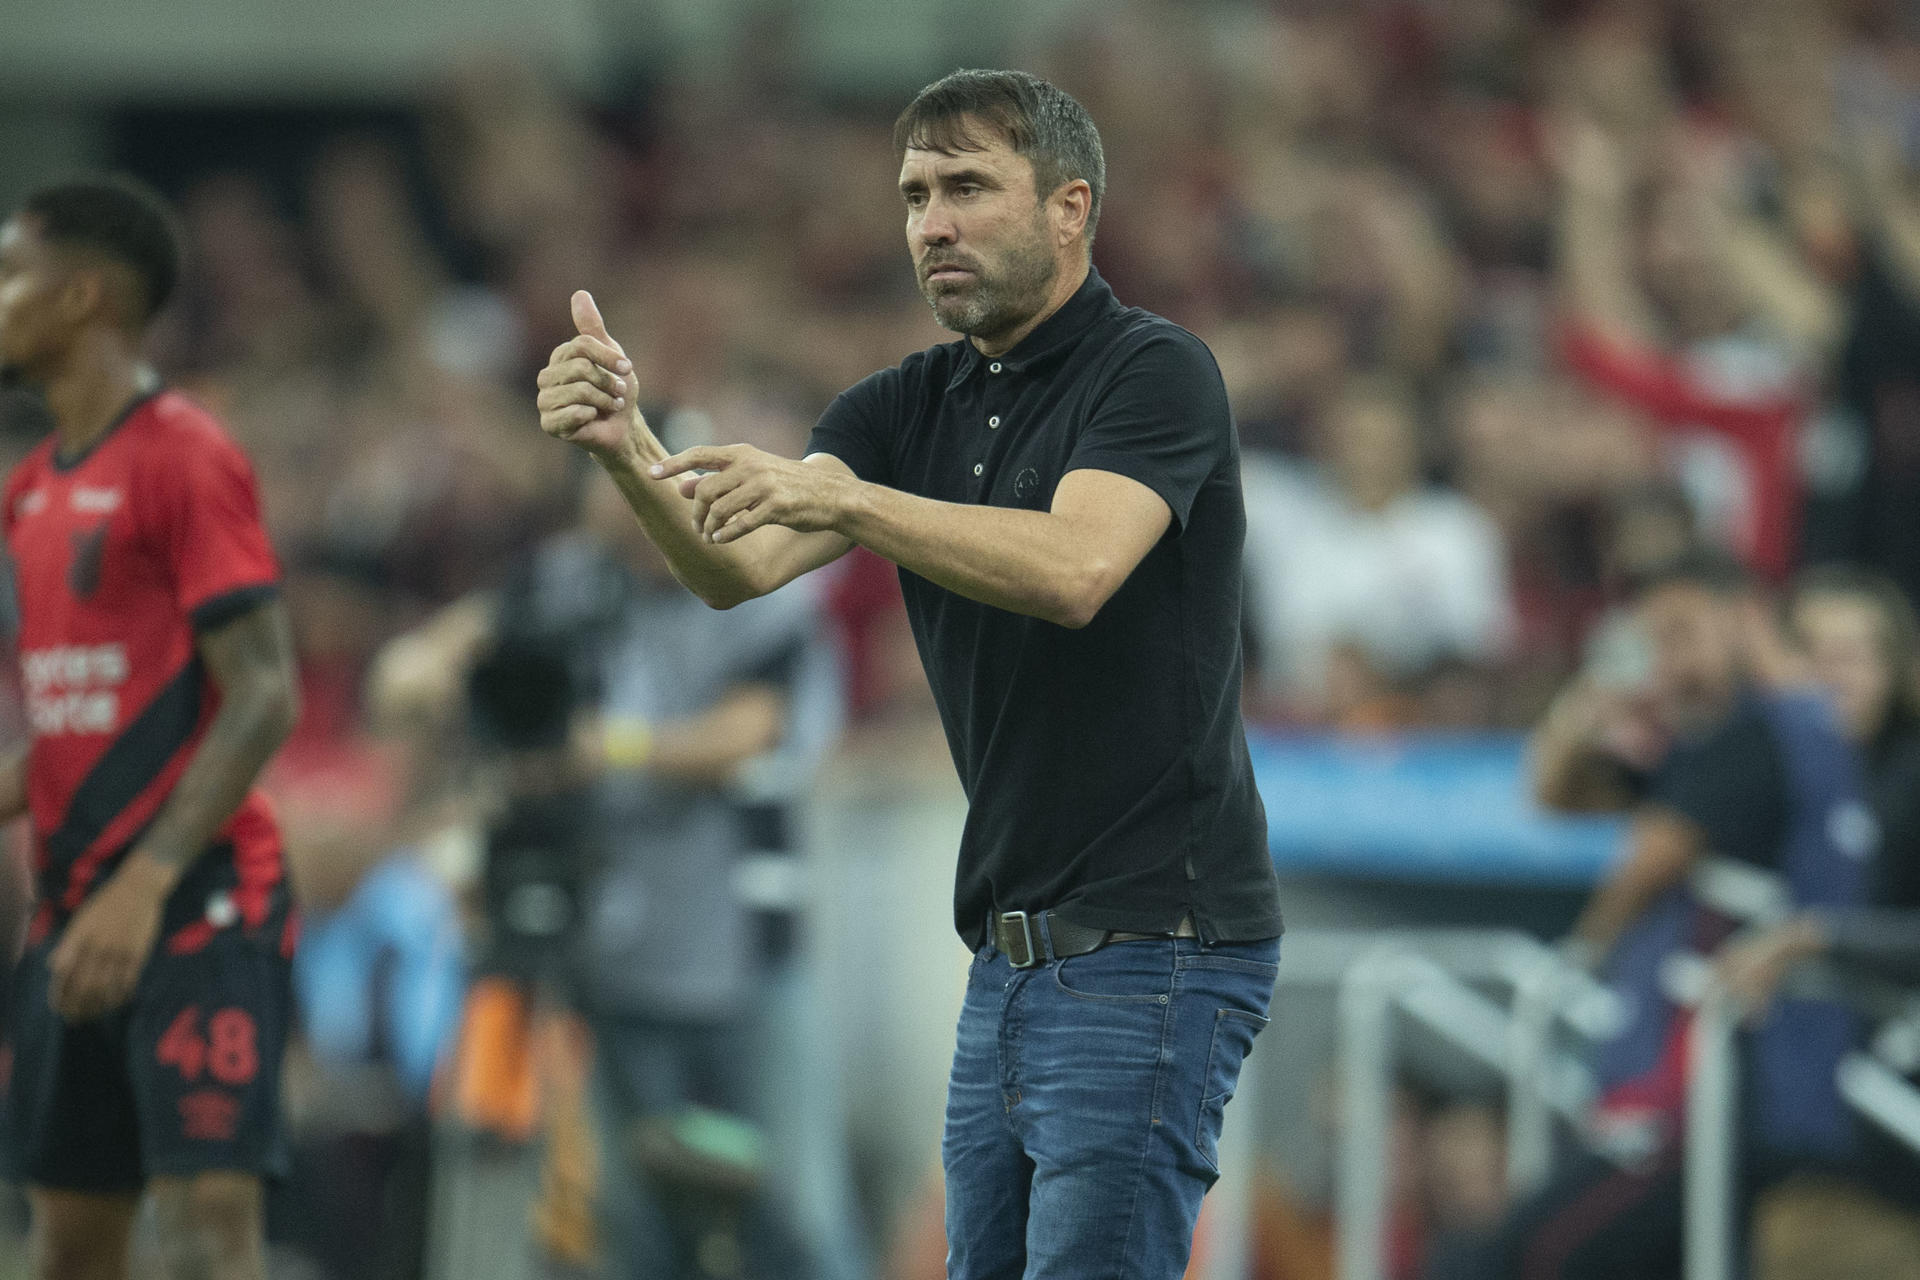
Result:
[1083,1114]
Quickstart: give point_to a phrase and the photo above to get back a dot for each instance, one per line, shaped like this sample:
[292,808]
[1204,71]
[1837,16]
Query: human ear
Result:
[1071,205]
[84,295]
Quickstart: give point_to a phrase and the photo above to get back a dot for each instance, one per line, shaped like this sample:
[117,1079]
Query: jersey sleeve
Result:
[1162,421]
[203,515]
[859,426]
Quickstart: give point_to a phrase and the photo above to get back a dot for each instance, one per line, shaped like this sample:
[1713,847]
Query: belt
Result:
[1014,936]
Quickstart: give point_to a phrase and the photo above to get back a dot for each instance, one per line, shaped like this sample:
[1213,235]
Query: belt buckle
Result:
[1030,956]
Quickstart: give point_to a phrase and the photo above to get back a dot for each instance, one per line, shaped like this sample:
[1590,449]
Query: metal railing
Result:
[1426,979]
[1431,977]
[1873,1084]
[1440,979]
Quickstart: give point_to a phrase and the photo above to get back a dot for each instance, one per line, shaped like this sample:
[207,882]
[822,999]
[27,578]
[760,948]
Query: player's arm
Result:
[249,660]
[1060,565]
[588,398]
[701,749]
[13,785]
[421,674]
[1662,850]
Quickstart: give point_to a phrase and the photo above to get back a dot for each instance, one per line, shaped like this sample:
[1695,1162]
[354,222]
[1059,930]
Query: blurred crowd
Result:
[1502,292]
[1513,299]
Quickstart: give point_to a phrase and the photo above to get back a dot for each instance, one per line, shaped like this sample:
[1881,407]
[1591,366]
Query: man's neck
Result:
[87,394]
[1065,285]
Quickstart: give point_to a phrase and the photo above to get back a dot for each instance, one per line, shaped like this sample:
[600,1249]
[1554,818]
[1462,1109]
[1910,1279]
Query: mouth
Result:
[947,274]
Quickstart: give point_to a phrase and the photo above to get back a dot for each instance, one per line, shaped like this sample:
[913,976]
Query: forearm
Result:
[1027,562]
[1660,856]
[703,749]
[13,786]
[1572,777]
[719,574]
[1614,907]
[1778,285]
[1594,249]
[1568,770]
[249,727]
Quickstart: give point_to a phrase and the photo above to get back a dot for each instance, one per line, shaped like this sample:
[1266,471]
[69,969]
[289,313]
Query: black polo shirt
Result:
[1106,769]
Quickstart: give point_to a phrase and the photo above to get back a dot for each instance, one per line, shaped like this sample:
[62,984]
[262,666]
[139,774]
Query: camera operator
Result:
[622,713]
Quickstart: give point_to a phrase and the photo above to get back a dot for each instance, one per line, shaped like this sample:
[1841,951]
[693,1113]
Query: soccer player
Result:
[150,1008]
[1061,491]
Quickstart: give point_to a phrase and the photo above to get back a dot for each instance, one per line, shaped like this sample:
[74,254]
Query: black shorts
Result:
[184,1079]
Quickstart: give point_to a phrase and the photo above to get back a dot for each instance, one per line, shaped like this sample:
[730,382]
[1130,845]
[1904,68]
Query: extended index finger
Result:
[702,458]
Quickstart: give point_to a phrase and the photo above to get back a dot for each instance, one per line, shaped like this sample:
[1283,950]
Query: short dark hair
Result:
[119,218]
[1705,566]
[1039,120]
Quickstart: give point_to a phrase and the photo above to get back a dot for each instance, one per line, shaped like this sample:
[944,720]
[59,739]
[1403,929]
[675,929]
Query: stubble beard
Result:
[989,304]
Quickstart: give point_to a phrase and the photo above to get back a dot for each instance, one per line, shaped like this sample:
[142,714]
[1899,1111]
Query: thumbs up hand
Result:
[587,389]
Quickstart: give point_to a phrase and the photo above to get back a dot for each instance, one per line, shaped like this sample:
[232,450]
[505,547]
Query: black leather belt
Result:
[1016,936]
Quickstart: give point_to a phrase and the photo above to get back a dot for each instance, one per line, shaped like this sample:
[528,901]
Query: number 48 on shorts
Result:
[184,1080]
[228,1051]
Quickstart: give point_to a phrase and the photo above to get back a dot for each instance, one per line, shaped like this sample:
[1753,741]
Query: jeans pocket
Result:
[1233,1033]
[1122,971]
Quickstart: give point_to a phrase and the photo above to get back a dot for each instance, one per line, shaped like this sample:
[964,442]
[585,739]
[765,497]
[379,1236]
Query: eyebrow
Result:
[978,177]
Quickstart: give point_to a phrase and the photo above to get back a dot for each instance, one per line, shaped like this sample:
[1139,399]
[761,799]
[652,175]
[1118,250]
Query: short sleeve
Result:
[1163,421]
[859,427]
[205,521]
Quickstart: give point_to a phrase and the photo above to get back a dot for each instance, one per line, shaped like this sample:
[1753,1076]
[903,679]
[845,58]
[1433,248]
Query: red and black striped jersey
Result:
[121,556]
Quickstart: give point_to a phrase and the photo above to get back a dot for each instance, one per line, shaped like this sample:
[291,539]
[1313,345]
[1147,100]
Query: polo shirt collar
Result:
[1053,338]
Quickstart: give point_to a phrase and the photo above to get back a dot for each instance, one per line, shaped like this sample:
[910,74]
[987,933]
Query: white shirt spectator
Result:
[1420,579]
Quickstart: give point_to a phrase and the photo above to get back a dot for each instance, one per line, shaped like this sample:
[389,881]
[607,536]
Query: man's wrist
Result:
[851,509]
[631,459]
[626,742]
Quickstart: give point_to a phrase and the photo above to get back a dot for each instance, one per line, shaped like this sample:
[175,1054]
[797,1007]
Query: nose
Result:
[935,225]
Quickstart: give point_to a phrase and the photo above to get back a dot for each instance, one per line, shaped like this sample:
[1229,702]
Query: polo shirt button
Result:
[994,367]
[979,467]
[994,421]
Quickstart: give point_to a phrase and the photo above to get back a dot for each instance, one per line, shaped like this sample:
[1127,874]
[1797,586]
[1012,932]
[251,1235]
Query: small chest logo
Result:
[96,501]
[30,503]
[1026,484]
[89,552]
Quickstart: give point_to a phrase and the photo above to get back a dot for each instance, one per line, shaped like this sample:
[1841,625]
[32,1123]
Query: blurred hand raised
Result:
[587,389]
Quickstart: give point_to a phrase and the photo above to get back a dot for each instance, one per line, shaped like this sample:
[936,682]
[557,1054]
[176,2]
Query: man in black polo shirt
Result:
[1061,491]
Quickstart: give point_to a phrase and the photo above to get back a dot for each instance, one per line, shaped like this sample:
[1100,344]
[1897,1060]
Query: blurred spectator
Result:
[1666,292]
[1721,767]
[1359,574]
[1863,649]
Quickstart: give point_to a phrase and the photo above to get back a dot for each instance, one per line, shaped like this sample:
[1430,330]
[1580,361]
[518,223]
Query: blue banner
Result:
[1420,806]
